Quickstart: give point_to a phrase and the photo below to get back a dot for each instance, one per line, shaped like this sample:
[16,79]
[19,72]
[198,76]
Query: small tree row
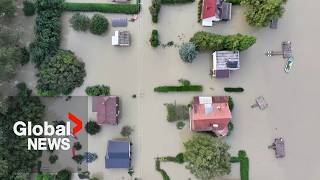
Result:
[97,25]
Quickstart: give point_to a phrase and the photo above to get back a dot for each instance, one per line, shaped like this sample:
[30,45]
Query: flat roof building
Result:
[118,154]
[121,38]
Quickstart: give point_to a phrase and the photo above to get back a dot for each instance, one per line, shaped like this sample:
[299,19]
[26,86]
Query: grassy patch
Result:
[177,112]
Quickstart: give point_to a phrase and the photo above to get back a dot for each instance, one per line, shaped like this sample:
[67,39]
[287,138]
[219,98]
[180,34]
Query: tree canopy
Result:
[207,157]
[61,75]
[16,161]
[188,52]
[206,41]
[260,12]
[7,8]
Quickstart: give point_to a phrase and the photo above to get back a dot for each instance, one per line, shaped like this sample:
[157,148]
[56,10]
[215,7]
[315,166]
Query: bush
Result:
[29,8]
[154,39]
[244,164]
[200,10]
[233,89]
[177,112]
[98,90]
[188,52]
[180,158]
[154,10]
[180,124]
[126,131]
[77,146]
[63,175]
[53,159]
[206,41]
[61,75]
[234,2]
[99,24]
[25,56]
[184,82]
[80,22]
[166,89]
[78,158]
[103,7]
[230,103]
[92,127]
[230,128]
[162,172]
[176,1]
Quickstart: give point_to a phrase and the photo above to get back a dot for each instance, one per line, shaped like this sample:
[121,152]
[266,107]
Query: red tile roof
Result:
[107,108]
[218,115]
[208,8]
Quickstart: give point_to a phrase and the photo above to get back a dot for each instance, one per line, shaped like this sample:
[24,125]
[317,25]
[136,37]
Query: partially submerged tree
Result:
[126,131]
[260,12]
[99,24]
[64,174]
[92,127]
[207,157]
[80,22]
[188,52]
[61,75]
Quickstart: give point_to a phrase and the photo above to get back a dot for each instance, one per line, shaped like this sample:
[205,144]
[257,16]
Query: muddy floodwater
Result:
[293,98]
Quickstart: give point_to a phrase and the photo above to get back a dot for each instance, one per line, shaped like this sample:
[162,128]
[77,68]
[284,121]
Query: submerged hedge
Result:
[233,89]
[176,1]
[244,164]
[165,89]
[103,7]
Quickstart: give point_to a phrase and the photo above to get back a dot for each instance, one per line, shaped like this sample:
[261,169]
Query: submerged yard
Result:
[139,68]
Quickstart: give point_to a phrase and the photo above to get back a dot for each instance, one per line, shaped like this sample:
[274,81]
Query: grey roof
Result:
[226,9]
[124,38]
[118,155]
[222,73]
[119,22]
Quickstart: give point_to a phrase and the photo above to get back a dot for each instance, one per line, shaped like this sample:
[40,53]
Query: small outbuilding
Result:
[121,38]
[107,108]
[118,154]
[224,62]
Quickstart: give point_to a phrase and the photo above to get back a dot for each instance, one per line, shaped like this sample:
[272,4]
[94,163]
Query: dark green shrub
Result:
[230,103]
[25,56]
[154,10]
[53,159]
[180,124]
[166,89]
[98,90]
[63,175]
[200,10]
[154,39]
[184,82]
[99,24]
[80,22]
[188,52]
[244,164]
[78,158]
[126,131]
[177,112]
[92,127]
[29,8]
[234,2]
[77,146]
[230,128]
[206,41]
[233,89]
[176,1]
[162,172]
[180,158]
[103,7]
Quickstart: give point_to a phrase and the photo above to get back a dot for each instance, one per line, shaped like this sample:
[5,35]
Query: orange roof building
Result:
[210,114]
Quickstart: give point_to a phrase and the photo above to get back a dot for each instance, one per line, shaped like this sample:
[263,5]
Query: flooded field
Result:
[293,98]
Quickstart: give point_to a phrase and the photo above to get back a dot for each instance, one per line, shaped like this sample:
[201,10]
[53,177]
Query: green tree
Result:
[207,157]
[78,158]
[7,8]
[154,10]
[188,52]
[29,8]
[99,24]
[77,146]
[98,90]
[9,59]
[64,174]
[61,75]
[92,127]
[80,22]
[53,158]
[154,39]
[260,12]
[126,131]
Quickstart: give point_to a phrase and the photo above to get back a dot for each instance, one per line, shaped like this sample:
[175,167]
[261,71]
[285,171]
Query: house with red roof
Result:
[210,114]
[107,109]
[214,11]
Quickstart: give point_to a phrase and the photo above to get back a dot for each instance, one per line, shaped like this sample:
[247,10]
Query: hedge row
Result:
[47,31]
[103,7]
[244,164]
[98,90]
[162,172]
[233,89]
[234,2]
[179,158]
[166,89]
[200,10]
[176,1]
